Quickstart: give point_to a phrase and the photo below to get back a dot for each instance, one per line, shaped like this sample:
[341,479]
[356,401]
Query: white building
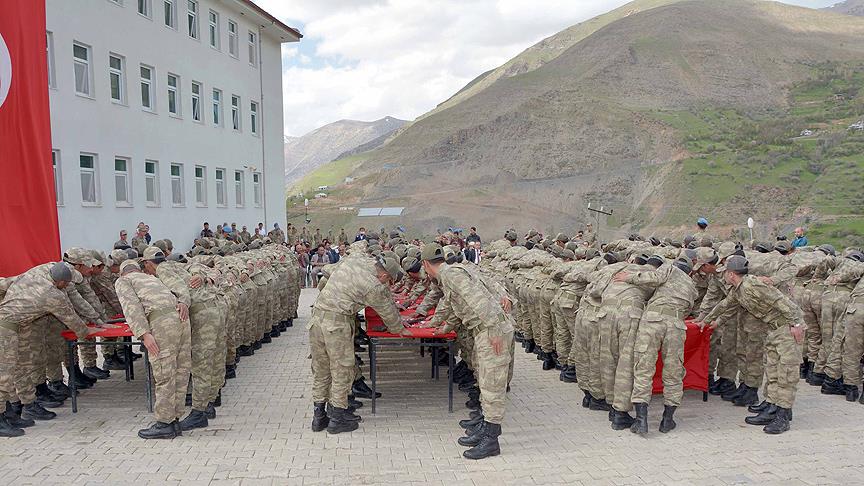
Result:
[167,112]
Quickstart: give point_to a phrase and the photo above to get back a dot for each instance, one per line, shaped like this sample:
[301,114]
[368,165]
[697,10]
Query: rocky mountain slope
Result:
[849,7]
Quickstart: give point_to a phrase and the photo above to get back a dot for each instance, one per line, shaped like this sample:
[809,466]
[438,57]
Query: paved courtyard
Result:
[262,436]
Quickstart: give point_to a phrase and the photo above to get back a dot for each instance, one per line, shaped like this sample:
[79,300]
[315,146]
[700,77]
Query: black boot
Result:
[530,345]
[360,389]
[46,398]
[265,339]
[816,379]
[621,420]
[734,394]
[197,419]
[472,435]
[586,400]
[488,445]
[59,388]
[354,404]
[188,399]
[244,351]
[96,373]
[667,424]
[541,355]
[549,360]
[640,425]
[780,423]
[340,421]
[711,382]
[749,397]
[289,323]
[8,430]
[230,372]
[471,422]
[467,383]
[473,403]
[833,387]
[256,345]
[36,412]
[211,411]
[348,414]
[319,417]
[568,375]
[159,430]
[275,332]
[114,363]
[13,416]
[852,393]
[81,381]
[802,369]
[283,327]
[518,337]
[765,416]
[599,405]
[722,386]
[177,430]
[758,408]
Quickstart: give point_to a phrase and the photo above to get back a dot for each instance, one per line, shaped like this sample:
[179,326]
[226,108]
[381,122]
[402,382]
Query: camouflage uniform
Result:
[846,349]
[150,306]
[834,301]
[662,327]
[725,362]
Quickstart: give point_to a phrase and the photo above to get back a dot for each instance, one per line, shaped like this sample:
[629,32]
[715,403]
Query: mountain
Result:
[305,154]
[849,7]
[663,111]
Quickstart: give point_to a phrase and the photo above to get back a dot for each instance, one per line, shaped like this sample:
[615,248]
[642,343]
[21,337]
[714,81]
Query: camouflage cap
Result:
[432,253]
[255,245]
[77,278]
[162,245]
[100,256]
[736,264]
[389,262]
[856,255]
[655,261]
[572,246]
[568,254]
[591,253]
[169,243]
[394,241]
[562,238]
[726,249]
[80,256]
[267,240]
[400,250]
[511,235]
[705,256]
[766,247]
[132,253]
[450,254]
[827,249]
[117,257]
[783,247]
[153,254]
[683,264]
[61,272]
[128,266]
[411,265]
[531,234]
[177,257]
[413,251]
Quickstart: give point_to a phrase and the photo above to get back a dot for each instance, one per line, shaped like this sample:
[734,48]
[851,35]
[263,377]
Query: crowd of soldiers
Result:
[196,314]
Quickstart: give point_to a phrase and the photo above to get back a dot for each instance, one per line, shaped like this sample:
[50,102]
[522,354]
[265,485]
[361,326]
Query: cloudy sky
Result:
[366,59]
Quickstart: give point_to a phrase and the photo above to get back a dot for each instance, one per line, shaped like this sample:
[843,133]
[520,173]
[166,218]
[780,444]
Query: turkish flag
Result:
[28,209]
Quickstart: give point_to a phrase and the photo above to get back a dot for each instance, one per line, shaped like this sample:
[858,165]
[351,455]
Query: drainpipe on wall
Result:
[261,124]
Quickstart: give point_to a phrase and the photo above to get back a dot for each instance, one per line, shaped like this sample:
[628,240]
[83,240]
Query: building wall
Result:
[108,129]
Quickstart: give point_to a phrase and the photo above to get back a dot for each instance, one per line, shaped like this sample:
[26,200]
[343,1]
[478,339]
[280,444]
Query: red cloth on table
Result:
[374,322]
[121,331]
[416,333]
[696,349]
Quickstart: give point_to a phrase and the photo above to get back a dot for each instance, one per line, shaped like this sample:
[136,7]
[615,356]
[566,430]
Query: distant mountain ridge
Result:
[308,152]
[849,7]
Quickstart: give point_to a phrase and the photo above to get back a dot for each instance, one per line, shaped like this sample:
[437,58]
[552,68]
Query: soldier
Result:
[156,318]
[245,237]
[483,309]
[356,283]
[103,284]
[276,235]
[343,238]
[844,280]
[782,344]
[291,234]
[661,328]
[589,236]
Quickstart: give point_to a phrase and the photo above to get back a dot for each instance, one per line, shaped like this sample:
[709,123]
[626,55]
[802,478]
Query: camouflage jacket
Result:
[103,285]
[674,292]
[141,295]
[474,299]
[33,295]
[764,302]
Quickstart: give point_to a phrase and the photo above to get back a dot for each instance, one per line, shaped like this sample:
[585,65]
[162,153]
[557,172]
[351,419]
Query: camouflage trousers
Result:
[585,351]
[833,310]
[8,364]
[750,348]
[727,361]
[465,344]
[55,350]
[563,322]
[25,369]
[234,304]
[333,365]
[493,374]
[782,359]
[666,334]
[523,316]
[171,367]
[809,299]
[853,342]
[618,325]
[206,320]
[546,320]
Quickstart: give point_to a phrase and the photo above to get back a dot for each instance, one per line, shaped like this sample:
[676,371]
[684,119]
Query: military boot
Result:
[765,416]
[780,423]
[348,414]
[640,425]
[549,360]
[354,404]
[113,362]
[211,411]
[218,401]
[159,430]
[339,421]
[473,421]
[802,369]
[816,379]
[230,372]
[256,345]
[722,386]
[530,345]
[758,408]
[59,388]
[473,435]
[46,398]
[568,374]
[244,351]
[178,431]
[749,397]
[833,387]
[360,389]
[488,445]
[667,423]
[8,430]
[518,337]
[319,417]
[283,326]
[197,419]
[586,400]
[13,416]
[290,322]
[275,332]
[81,381]
[621,420]
[96,373]
[265,339]
[599,405]
[730,396]
[852,393]
[36,412]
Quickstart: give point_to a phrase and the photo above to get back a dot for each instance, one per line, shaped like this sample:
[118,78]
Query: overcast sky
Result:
[366,59]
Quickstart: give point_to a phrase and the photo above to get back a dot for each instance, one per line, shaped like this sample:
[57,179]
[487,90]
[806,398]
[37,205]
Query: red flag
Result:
[28,210]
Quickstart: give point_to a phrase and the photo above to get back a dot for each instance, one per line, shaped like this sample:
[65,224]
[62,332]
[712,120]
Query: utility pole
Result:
[597,213]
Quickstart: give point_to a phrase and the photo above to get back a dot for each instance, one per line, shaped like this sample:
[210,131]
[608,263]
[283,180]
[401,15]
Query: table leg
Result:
[434,358]
[149,381]
[704,396]
[373,363]
[70,365]
[451,350]
[129,360]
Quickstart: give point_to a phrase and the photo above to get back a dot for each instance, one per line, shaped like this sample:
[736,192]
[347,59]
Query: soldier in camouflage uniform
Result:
[844,280]
[82,260]
[160,321]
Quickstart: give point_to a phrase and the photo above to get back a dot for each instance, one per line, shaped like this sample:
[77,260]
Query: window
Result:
[122,192]
[233,47]
[214,30]
[89,180]
[192,18]
[151,182]
[49,46]
[177,184]
[144,8]
[220,188]
[239,196]
[235,112]
[256,189]
[147,102]
[174,94]
[196,101]
[253,117]
[200,185]
[253,48]
[170,13]
[217,107]
[116,78]
[58,177]
[81,56]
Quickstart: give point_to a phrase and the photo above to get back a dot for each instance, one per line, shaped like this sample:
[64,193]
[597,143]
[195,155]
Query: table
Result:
[697,346]
[123,332]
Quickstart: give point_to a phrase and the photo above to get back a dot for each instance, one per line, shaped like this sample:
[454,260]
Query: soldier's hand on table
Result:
[797,333]
[497,343]
[620,277]
[506,304]
[183,310]
[150,343]
[405,332]
[439,331]
[196,282]
[91,332]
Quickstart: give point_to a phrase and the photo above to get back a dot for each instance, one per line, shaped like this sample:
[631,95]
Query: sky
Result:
[367,59]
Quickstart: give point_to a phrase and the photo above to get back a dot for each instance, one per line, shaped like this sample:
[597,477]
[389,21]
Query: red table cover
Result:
[696,349]
[416,333]
[121,331]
